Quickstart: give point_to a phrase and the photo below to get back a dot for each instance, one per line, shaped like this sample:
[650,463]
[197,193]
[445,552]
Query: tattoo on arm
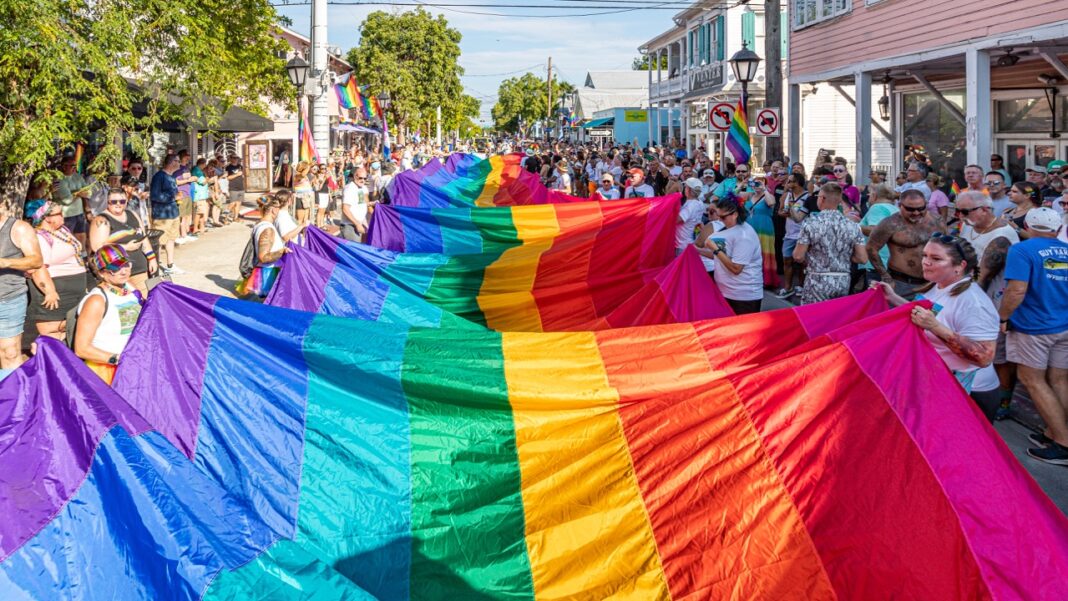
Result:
[972,351]
[993,261]
[879,238]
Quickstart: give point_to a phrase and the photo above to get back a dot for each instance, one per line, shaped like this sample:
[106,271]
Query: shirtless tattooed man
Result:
[906,233]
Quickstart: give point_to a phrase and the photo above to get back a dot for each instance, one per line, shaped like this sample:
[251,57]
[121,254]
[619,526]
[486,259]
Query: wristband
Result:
[150,254]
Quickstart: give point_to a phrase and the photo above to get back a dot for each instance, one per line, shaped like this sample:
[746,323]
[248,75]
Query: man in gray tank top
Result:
[19,253]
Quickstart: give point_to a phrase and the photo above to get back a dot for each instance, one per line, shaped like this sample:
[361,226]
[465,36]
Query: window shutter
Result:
[721,39]
[749,29]
[784,33]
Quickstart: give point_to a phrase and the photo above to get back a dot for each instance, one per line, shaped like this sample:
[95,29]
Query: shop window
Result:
[1030,115]
[933,132]
[809,12]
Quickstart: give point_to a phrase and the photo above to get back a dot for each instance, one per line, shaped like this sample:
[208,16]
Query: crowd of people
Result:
[991,261]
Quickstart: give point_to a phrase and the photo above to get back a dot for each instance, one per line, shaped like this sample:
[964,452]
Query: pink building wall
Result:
[895,27]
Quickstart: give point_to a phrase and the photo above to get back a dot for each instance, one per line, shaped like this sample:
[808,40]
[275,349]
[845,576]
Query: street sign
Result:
[768,123]
[720,116]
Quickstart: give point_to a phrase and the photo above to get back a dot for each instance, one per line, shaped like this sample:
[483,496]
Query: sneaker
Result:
[784,293]
[1054,454]
[1040,440]
[174,270]
[798,290]
[180,240]
[1004,412]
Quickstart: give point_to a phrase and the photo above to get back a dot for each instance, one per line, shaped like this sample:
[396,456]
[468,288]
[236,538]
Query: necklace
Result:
[114,290]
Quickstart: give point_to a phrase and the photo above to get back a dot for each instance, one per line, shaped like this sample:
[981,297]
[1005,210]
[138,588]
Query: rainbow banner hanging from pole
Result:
[307,151]
[738,137]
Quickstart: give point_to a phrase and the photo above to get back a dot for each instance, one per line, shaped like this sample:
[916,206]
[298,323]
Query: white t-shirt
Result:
[981,241]
[285,223]
[355,198]
[710,264]
[920,185]
[793,228]
[609,194]
[690,214]
[742,245]
[970,314]
[642,191]
[562,182]
[117,323]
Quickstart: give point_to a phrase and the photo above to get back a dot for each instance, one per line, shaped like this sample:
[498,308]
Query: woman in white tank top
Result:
[107,315]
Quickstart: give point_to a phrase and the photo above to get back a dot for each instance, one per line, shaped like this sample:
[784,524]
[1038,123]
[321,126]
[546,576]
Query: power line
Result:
[502,74]
[603,10]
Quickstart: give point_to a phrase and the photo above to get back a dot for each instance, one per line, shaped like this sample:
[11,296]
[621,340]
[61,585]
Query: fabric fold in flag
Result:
[307,281]
[469,180]
[85,488]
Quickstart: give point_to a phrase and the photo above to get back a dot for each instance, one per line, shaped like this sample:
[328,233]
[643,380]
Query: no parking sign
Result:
[767,122]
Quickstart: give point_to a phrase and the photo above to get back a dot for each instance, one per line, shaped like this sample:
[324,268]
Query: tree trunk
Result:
[14,182]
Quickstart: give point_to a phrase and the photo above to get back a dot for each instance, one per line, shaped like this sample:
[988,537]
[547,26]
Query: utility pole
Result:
[320,107]
[549,108]
[773,72]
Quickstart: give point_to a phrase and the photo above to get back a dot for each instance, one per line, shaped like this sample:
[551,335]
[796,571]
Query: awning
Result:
[351,127]
[599,123]
[232,121]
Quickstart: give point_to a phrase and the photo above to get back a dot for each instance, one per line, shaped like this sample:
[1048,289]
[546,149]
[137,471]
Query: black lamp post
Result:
[744,63]
[384,100]
[884,102]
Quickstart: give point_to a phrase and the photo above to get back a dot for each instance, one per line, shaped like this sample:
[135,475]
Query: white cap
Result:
[1043,219]
[694,183]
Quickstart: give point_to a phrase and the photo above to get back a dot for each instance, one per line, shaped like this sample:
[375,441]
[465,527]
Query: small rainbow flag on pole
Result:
[954,189]
[348,94]
[79,158]
[370,107]
[738,136]
[308,151]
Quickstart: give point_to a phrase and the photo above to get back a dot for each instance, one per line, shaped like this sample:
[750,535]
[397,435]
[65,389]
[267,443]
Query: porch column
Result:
[659,71]
[671,114]
[793,115]
[671,56]
[649,115]
[862,83]
[978,125]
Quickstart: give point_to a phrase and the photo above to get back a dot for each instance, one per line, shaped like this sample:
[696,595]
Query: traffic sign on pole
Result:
[768,123]
[720,116]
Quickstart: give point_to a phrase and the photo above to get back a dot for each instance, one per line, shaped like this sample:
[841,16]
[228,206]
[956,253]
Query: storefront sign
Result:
[635,116]
[706,76]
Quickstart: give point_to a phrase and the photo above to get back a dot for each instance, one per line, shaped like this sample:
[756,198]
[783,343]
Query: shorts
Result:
[324,199]
[185,206]
[202,207]
[237,196]
[305,200]
[13,315]
[788,246]
[1000,357]
[170,228]
[1038,351]
[76,224]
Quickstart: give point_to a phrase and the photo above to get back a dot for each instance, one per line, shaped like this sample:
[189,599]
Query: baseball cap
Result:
[708,173]
[1036,169]
[694,183]
[1056,165]
[607,177]
[1043,219]
[636,171]
[111,257]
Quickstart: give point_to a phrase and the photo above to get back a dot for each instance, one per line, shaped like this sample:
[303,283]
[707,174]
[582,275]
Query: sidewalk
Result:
[211,263]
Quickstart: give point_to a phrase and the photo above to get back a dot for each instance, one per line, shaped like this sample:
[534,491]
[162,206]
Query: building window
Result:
[809,12]
[931,131]
[1030,115]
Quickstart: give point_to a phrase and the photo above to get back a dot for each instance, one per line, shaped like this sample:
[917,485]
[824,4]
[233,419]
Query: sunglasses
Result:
[967,212]
[839,170]
[136,168]
[117,201]
[990,184]
[914,209]
[949,240]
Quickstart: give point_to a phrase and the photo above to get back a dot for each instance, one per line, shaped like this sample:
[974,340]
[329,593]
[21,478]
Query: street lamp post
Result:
[744,63]
[297,70]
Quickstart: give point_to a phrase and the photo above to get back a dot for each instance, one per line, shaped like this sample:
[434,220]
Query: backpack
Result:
[249,257]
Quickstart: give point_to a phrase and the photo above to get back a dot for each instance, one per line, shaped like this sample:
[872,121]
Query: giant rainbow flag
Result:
[467,180]
[770,456]
[639,222]
[367,289]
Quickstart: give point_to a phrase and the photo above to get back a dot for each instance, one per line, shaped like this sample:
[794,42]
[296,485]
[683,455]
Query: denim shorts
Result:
[13,316]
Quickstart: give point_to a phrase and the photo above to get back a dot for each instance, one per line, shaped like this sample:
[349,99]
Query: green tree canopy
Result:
[414,56]
[64,66]
[643,63]
[525,98]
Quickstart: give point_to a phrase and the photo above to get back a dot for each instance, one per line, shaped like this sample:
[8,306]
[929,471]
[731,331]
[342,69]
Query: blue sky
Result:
[494,45]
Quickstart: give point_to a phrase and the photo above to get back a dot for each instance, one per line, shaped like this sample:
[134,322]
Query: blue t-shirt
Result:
[162,196]
[1043,264]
